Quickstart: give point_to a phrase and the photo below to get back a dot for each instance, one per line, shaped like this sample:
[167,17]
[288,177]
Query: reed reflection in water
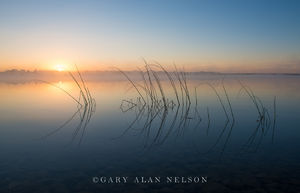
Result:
[164,114]
[86,107]
[181,140]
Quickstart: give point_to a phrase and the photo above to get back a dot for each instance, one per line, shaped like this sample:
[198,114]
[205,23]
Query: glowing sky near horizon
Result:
[230,36]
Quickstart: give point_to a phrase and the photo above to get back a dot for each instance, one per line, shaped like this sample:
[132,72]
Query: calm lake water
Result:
[46,147]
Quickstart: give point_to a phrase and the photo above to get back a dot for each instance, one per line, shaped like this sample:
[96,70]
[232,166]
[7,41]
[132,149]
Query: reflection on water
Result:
[255,135]
[86,106]
[174,112]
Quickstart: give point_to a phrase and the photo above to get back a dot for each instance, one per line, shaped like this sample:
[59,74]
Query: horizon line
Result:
[103,71]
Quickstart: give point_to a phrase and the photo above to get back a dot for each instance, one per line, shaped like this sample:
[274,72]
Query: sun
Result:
[59,67]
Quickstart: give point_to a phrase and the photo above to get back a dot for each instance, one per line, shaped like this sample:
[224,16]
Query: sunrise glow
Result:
[59,67]
[232,37]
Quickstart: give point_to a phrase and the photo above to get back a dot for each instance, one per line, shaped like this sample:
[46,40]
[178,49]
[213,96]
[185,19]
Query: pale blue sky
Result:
[240,35]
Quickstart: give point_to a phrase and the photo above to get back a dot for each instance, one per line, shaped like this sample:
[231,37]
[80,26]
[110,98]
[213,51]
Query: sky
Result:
[223,36]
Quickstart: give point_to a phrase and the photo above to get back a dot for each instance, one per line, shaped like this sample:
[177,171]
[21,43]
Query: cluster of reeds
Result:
[228,112]
[154,105]
[264,120]
[86,106]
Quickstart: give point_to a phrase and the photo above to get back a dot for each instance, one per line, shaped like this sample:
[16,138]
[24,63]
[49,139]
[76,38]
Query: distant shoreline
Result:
[45,72]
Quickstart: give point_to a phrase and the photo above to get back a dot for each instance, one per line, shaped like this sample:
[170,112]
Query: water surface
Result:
[235,155]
